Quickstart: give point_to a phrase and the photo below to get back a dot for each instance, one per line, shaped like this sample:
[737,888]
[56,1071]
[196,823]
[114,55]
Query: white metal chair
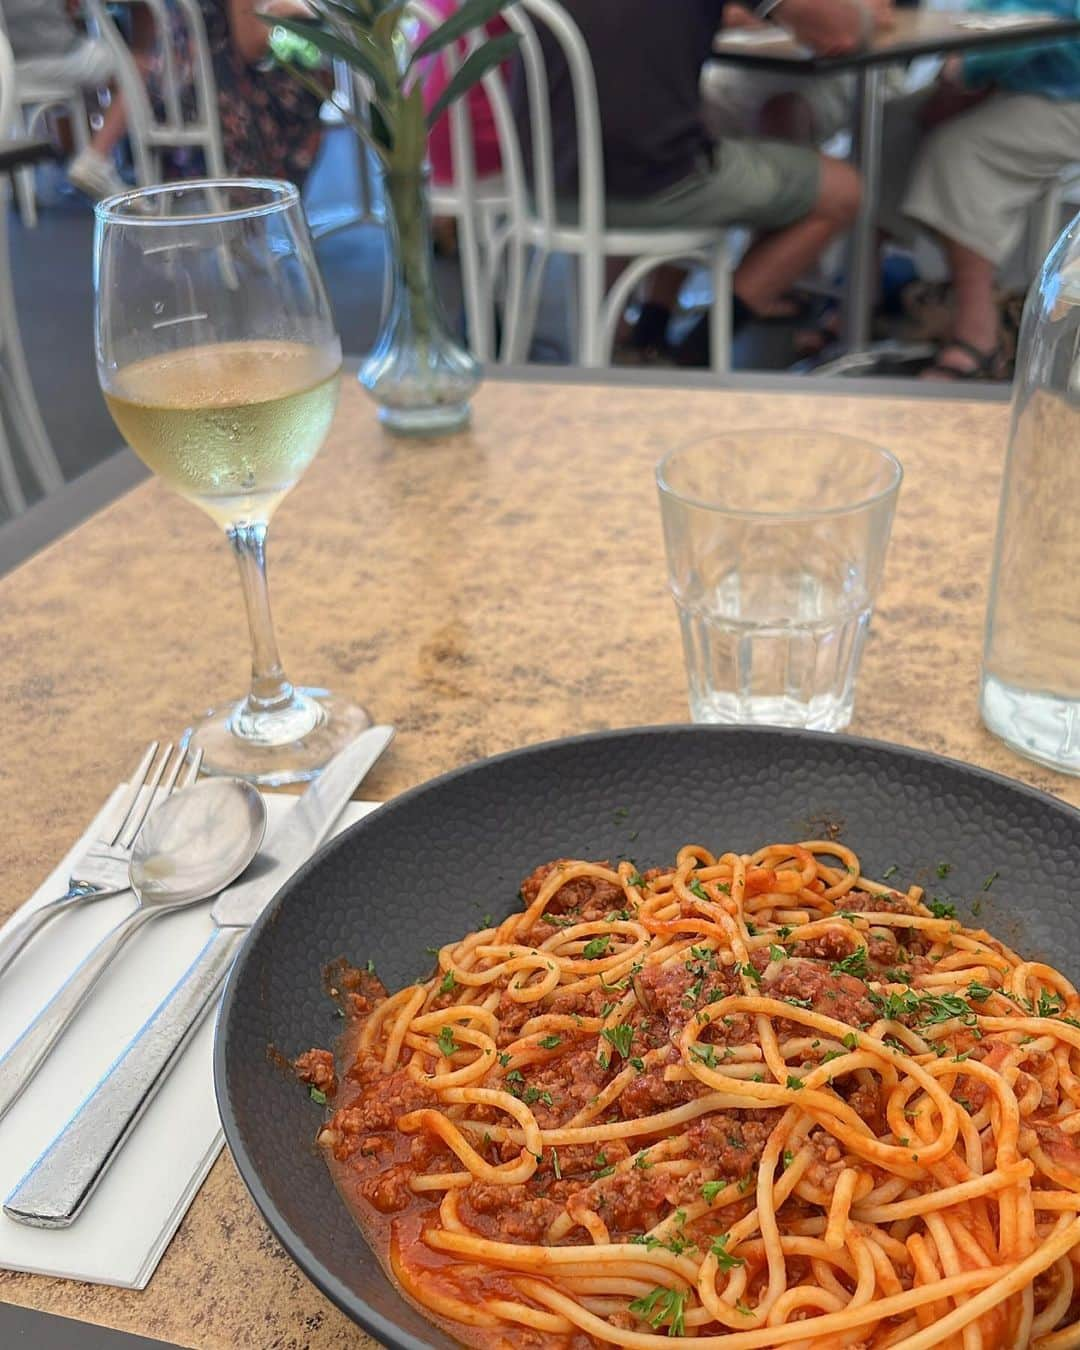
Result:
[534,220]
[1045,222]
[34,100]
[197,127]
[19,411]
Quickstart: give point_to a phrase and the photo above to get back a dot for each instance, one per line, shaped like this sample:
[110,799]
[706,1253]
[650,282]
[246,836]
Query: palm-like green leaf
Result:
[361,53]
[472,14]
[313,86]
[475,66]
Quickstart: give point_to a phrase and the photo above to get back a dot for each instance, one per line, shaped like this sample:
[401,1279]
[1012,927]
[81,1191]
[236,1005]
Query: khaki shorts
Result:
[88,65]
[974,178]
[766,184]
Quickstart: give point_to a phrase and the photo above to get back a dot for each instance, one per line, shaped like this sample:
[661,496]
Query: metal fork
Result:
[102,869]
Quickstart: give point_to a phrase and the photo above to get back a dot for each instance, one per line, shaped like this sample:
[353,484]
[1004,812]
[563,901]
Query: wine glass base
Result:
[291,760]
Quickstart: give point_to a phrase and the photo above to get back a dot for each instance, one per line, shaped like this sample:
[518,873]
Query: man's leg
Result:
[777,259]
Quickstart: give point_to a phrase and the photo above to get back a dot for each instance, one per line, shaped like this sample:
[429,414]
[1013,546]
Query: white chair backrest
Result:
[176,126]
[524,17]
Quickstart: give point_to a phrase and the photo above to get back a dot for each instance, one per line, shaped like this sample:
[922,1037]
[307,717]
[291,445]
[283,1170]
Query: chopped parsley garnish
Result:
[531,1095]
[596,947]
[784,933]
[890,871]
[1049,1005]
[751,972]
[850,1041]
[696,888]
[831,1054]
[642,1163]
[662,1305]
[799,1002]
[852,964]
[724,1260]
[794,1082]
[789,1157]
[515,1076]
[635,879]
[776,953]
[620,1037]
[637,1063]
[504,1058]
[711,1189]
[550,1042]
[941,909]
[978,991]
[990,880]
[562,920]
[704,1054]
[447,1044]
[317,1095]
[943,870]
[448,983]
[370,967]
[603,1172]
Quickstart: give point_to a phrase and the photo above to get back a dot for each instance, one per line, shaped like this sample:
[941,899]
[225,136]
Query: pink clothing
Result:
[485,137]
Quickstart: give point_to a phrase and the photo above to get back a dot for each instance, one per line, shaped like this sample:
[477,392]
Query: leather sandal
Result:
[987,364]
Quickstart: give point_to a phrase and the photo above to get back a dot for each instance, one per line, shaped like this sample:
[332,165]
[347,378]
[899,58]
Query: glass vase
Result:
[419,376]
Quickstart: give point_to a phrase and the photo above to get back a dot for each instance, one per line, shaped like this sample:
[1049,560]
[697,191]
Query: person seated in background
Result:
[980,147]
[50,50]
[807,109]
[661,167]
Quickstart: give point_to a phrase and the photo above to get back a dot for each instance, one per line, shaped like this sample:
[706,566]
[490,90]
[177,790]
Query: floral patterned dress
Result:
[269,123]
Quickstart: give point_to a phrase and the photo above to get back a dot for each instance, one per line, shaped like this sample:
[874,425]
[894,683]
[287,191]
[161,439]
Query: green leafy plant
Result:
[369,36]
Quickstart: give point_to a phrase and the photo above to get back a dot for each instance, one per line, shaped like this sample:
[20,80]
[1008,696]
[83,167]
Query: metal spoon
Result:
[192,846]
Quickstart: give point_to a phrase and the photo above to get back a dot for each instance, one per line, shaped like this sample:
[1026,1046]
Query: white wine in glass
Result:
[219,362]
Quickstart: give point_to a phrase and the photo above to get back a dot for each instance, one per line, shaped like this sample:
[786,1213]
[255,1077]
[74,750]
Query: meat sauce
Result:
[372,1162]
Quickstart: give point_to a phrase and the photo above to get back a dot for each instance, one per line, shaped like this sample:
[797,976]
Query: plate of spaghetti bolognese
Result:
[732,1038]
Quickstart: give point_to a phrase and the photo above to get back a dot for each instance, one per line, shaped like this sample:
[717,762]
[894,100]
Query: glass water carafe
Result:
[1030,690]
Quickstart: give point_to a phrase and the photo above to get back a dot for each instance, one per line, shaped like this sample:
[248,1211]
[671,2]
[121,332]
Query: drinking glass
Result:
[776,544]
[218,359]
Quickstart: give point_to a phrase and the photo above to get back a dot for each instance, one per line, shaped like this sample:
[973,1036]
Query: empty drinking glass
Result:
[776,544]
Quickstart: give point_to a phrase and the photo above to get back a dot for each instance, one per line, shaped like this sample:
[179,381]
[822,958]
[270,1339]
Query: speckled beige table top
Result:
[500,587]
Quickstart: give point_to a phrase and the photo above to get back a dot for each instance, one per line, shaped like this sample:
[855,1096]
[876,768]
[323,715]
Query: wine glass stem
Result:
[269,687]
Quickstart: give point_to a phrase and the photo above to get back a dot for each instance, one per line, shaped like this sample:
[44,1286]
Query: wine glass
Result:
[218,359]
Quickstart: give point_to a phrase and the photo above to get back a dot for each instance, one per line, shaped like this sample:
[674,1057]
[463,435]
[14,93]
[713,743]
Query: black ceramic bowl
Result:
[426,867]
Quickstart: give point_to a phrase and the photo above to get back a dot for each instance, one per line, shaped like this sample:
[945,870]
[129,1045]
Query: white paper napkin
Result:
[122,1233]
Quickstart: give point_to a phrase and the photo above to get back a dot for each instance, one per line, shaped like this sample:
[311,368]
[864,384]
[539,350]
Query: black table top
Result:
[919,32]
[25,150]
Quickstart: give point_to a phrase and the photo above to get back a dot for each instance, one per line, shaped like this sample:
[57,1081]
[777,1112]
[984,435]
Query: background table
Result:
[920,32]
[504,586]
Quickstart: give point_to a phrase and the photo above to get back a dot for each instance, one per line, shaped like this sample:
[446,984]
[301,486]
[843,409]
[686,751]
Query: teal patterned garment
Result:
[1053,71]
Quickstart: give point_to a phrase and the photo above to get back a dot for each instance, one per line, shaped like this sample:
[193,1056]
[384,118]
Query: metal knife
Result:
[63,1178]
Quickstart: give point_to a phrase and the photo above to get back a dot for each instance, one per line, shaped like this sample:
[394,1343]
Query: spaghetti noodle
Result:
[746,1101]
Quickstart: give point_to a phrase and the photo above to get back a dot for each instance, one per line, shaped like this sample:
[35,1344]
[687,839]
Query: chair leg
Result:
[477,315]
[10,489]
[24,409]
[590,303]
[521,319]
[26,196]
[720,313]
